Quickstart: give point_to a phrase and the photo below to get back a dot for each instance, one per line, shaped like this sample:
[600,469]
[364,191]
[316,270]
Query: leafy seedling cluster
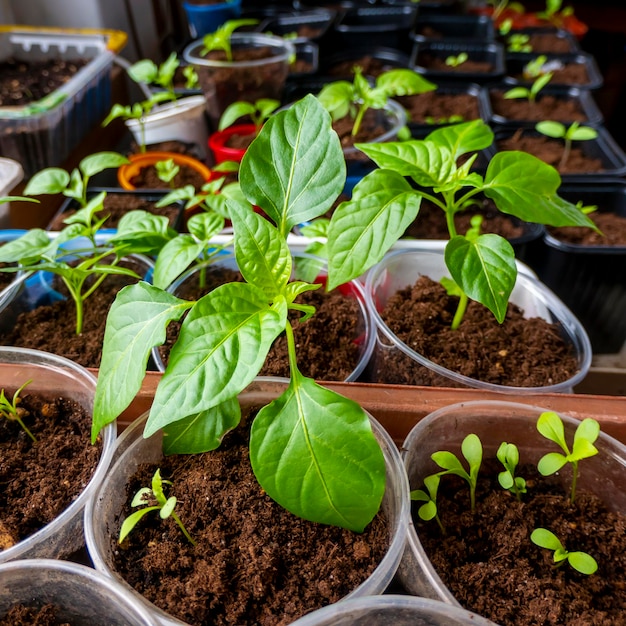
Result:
[220,39]
[575,132]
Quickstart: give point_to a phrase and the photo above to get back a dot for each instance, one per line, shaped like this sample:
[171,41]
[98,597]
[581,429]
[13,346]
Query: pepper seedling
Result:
[312,450]
[342,98]
[220,39]
[575,132]
[166,171]
[550,425]
[387,200]
[165,507]
[530,93]
[428,510]
[472,451]
[258,111]
[10,410]
[456,60]
[148,72]
[580,561]
[508,455]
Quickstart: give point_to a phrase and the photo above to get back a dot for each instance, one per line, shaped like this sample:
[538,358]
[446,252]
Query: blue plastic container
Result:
[207,18]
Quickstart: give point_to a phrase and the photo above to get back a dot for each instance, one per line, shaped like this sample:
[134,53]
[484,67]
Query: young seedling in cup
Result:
[575,132]
[508,455]
[10,410]
[580,561]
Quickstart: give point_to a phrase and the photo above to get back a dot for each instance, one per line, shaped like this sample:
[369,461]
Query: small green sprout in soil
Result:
[453,119]
[472,451]
[428,510]
[258,112]
[166,171]
[580,561]
[530,93]
[220,39]
[456,60]
[165,507]
[575,132]
[508,455]
[551,427]
[10,410]
[147,71]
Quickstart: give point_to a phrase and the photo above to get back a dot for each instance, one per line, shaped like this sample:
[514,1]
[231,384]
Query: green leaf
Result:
[505,479]
[484,269]
[472,450]
[313,451]
[550,425]
[294,170]
[100,161]
[427,163]
[582,562]
[515,93]
[551,463]
[262,254]
[168,508]
[545,539]
[462,138]
[582,449]
[139,499]
[131,521]
[403,82]
[584,133]
[203,431]
[174,258]
[336,97]
[233,112]
[203,226]
[48,181]
[428,511]
[447,461]
[137,322]
[144,71]
[522,185]
[551,129]
[221,347]
[32,245]
[143,232]
[362,230]
[588,429]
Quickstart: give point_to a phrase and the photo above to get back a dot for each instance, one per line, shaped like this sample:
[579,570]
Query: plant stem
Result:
[358,119]
[25,429]
[291,348]
[182,527]
[460,312]
[565,155]
[574,481]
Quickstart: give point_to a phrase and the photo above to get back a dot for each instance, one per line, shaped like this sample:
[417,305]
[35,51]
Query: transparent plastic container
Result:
[365,336]
[224,82]
[55,376]
[400,269]
[495,422]
[102,511]
[82,596]
[11,174]
[391,610]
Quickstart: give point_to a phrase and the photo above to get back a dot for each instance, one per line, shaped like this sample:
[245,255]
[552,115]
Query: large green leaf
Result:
[484,269]
[313,451]
[96,163]
[31,245]
[221,347]
[362,230]
[137,322]
[143,232]
[403,82]
[203,431]
[522,185]
[463,138]
[294,170]
[174,258]
[49,180]
[262,253]
[428,164]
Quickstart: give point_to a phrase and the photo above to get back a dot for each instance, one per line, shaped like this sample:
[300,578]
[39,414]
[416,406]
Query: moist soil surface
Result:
[438,64]
[613,229]
[117,205]
[52,327]
[40,480]
[492,568]
[551,152]
[521,352]
[240,141]
[371,127]
[23,82]
[328,345]
[548,43]
[254,563]
[370,65]
[566,74]
[147,178]
[546,107]
[432,107]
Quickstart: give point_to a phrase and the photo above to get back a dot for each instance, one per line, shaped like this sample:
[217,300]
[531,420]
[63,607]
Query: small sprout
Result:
[530,93]
[220,39]
[508,455]
[518,42]
[580,561]
[472,451]
[453,119]
[587,209]
[165,507]
[456,60]
[428,510]
[14,413]
[551,427]
[191,77]
[166,171]
[258,112]
[575,132]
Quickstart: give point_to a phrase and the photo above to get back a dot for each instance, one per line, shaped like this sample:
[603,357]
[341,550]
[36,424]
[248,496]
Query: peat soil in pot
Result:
[40,480]
[149,179]
[521,352]
[254,563]
[490,565]
[611,225]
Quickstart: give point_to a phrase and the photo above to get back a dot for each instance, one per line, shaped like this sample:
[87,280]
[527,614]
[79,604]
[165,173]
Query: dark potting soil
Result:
[437,108]
[492,568]
[254,563]
[551,152]
[370,128]
[549,43]
[22,82]
[40,480]
[520,352]
[613,233]
[240,141]
[117,205]
[370,65]
[328,345]
[52,327]
[21,615]
[431,222]
[438,64]
[149,179]
[567,74]
[545,107]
